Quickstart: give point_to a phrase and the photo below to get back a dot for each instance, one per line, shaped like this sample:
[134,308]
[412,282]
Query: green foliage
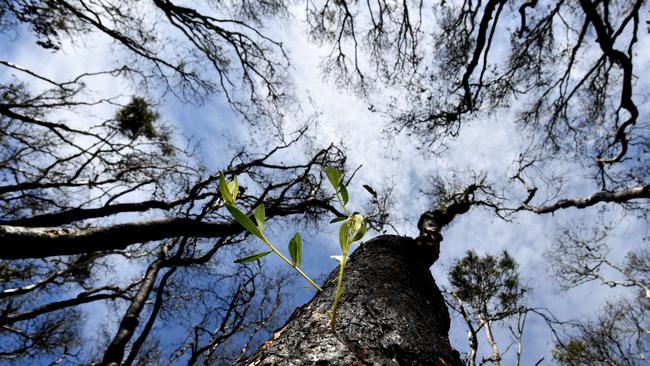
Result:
[252,257]
[573,353]
[229,191]
[334,175]
[618,336]
[353,228]
[345,197]
[260,216]
[295,249]
[137,118]
[489,282]
[244,221]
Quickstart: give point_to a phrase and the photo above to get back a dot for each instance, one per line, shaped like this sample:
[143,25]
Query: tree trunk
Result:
[391,313]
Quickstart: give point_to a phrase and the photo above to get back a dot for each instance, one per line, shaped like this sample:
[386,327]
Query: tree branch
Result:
[21,242]
[638,192]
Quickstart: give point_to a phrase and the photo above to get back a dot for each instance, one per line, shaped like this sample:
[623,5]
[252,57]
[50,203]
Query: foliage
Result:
[619,336]
[229,191]
[137,118]
[485,290]
[353,228]
[488,284]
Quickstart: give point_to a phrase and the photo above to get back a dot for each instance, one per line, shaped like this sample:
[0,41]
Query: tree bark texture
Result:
[391,313]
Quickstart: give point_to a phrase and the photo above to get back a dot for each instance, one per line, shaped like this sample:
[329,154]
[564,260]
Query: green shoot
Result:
[229,192]
[353,228]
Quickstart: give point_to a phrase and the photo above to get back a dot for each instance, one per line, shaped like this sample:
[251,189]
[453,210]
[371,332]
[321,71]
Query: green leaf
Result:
[260,216]
[295,249]
[355,221]
[225,191]
[233,188]
[337,219]
[361,232]
[334,175]
[344,236]
[344,193]
[244,221]
[252,257]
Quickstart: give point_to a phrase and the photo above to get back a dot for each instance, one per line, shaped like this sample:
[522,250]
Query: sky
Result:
[490,145]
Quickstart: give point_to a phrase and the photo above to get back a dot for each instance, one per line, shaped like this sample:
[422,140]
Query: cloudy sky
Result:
[489,145]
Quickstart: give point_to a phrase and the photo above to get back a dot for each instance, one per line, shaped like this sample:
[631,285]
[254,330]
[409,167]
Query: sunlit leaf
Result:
[233,187]
[361,232]
[244,221]
[355,221]
[344,236]
[334,176]
[295,249]
[344,193]
[260,216]
[225,191]
[252,257]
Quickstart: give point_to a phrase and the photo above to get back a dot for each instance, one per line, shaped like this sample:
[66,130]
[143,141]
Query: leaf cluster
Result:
[619,336]
[137,118]
[352,229]
[229,191]
[487,283]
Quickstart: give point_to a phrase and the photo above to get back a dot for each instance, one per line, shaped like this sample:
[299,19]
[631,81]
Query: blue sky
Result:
[489,145]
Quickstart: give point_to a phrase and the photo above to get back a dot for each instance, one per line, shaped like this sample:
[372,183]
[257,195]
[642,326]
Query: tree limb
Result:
[638,192]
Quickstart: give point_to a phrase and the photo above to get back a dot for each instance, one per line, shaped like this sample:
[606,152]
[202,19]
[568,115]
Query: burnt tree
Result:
[391,313]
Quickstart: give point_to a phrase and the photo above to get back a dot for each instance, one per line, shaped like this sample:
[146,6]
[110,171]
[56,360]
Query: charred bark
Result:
[392,313]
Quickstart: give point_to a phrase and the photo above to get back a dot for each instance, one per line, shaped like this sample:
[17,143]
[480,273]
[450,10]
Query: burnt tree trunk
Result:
[391,313]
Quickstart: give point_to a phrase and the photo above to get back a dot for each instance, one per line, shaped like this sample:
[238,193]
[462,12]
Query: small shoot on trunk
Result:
[353,228]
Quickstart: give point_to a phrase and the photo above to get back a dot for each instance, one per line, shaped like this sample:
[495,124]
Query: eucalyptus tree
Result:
[485,291]
[617,335]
